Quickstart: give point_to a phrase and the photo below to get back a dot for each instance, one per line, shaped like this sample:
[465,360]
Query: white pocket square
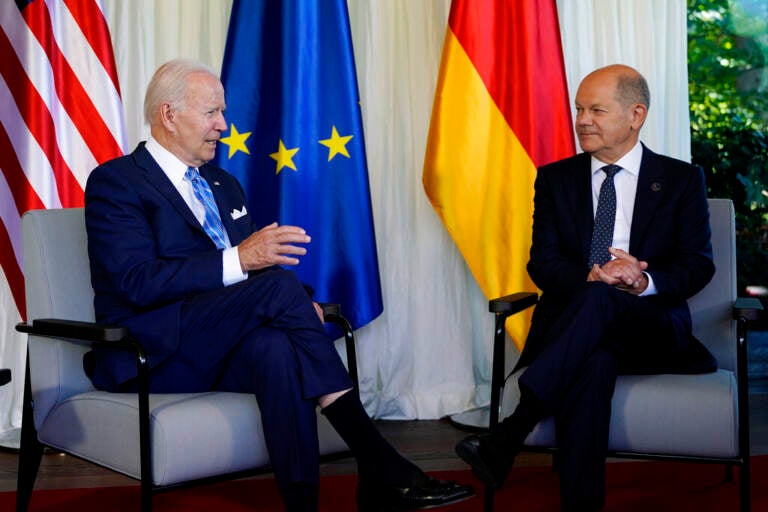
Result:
[236,214]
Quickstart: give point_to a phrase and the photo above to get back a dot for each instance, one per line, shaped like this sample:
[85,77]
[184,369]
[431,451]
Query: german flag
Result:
[501,110]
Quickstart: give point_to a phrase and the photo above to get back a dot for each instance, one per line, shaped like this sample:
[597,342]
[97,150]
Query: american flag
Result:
[60,116]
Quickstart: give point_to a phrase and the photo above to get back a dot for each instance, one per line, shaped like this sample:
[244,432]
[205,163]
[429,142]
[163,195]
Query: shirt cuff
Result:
[651,289]
[231,271]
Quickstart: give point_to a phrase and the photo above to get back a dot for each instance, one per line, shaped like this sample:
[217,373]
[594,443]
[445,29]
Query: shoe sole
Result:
[444,503]
[397,507]
[471,456]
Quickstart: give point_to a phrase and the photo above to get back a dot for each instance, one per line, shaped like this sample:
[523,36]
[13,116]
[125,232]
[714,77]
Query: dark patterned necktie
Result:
[605,218]
[212,222]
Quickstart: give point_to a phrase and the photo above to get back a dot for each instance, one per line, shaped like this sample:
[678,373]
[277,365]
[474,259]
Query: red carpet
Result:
[632,487]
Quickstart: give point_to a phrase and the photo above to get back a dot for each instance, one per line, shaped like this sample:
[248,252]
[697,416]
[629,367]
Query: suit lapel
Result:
[157,178]
[650,187]
[583,207]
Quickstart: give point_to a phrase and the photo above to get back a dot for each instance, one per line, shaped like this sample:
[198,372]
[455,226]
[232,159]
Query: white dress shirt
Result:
[175,169]
[626,187]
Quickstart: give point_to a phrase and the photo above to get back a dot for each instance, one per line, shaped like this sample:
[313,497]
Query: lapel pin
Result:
[216,183]
[655,186]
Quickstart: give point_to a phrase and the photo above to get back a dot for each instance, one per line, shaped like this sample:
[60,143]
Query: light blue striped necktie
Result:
[212,222]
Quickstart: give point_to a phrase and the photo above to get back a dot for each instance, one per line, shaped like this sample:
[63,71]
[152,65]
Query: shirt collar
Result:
[168,162]
[629,162]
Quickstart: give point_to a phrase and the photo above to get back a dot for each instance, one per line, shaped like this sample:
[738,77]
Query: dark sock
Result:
[515,428]
[300,497]
[377,460]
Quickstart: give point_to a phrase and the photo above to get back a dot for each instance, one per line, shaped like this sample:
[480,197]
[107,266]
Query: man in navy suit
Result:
[178,260]
[595,320]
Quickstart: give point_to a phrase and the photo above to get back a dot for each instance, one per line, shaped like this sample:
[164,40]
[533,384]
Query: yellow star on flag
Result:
[284,157]
[336,144]
[236,141]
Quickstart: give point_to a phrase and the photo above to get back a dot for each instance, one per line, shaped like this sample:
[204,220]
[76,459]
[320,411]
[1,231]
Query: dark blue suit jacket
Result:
[148,252]
[670,230]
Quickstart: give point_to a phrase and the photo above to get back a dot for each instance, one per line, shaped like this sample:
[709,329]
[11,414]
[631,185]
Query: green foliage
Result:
[728,89]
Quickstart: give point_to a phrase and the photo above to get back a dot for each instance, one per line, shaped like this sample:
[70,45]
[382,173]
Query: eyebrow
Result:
[593,105]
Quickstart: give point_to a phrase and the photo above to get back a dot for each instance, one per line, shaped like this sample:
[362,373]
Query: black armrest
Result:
[332,313]
[113,336]
[748,308]
[118,338]
[503,307]
[514,303]
[84,331]
[74,331]
[330,308]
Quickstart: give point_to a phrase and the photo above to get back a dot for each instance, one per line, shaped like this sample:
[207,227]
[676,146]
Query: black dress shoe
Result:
[427,493]
[488,457]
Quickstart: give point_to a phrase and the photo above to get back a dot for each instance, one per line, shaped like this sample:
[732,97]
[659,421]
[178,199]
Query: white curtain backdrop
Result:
[649,35]
[428,354]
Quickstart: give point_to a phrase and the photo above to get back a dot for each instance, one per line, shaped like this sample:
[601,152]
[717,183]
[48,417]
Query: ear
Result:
[168,117]
[639,113]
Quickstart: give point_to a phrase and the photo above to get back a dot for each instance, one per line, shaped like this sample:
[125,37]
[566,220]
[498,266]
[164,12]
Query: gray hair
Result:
[633,88]
[169,85]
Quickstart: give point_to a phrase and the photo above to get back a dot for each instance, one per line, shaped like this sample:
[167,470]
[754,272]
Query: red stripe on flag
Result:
[515,47]
[24,195]
[70,91]
[13,273]
[39,121]
[96,31]
[21,73]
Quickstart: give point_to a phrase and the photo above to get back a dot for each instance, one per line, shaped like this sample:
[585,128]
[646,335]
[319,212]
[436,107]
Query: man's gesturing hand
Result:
[272,245]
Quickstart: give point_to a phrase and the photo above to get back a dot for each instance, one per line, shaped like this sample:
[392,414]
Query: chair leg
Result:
[29,462]
[488,499]
[145,446]
[146,497]
[30,453]
[745,498]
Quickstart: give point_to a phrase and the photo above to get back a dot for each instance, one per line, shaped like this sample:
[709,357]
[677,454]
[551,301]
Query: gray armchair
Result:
[162,440]
[705,416]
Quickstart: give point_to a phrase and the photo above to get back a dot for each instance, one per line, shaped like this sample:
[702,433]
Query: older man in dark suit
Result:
[177,259]
[621,240]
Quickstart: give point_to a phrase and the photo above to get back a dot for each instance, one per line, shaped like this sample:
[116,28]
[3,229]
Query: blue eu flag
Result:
[295,141]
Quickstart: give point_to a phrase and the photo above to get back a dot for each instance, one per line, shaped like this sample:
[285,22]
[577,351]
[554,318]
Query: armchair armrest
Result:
[503,307]
[514,303]
[748,308]
[332,313]
[116,337]
[330,308]
[745,310]
[73,329]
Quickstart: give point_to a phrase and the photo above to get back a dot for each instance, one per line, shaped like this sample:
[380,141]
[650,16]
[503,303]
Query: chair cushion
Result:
[104,429]
[684,415]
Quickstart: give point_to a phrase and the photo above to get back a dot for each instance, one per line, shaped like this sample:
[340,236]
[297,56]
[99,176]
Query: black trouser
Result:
[599,332]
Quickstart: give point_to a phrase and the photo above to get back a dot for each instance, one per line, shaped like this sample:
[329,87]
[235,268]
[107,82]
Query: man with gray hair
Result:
[202,291]
[621,240]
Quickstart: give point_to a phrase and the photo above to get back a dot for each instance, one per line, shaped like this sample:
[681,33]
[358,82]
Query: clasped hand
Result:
[272,245]
[624,272]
